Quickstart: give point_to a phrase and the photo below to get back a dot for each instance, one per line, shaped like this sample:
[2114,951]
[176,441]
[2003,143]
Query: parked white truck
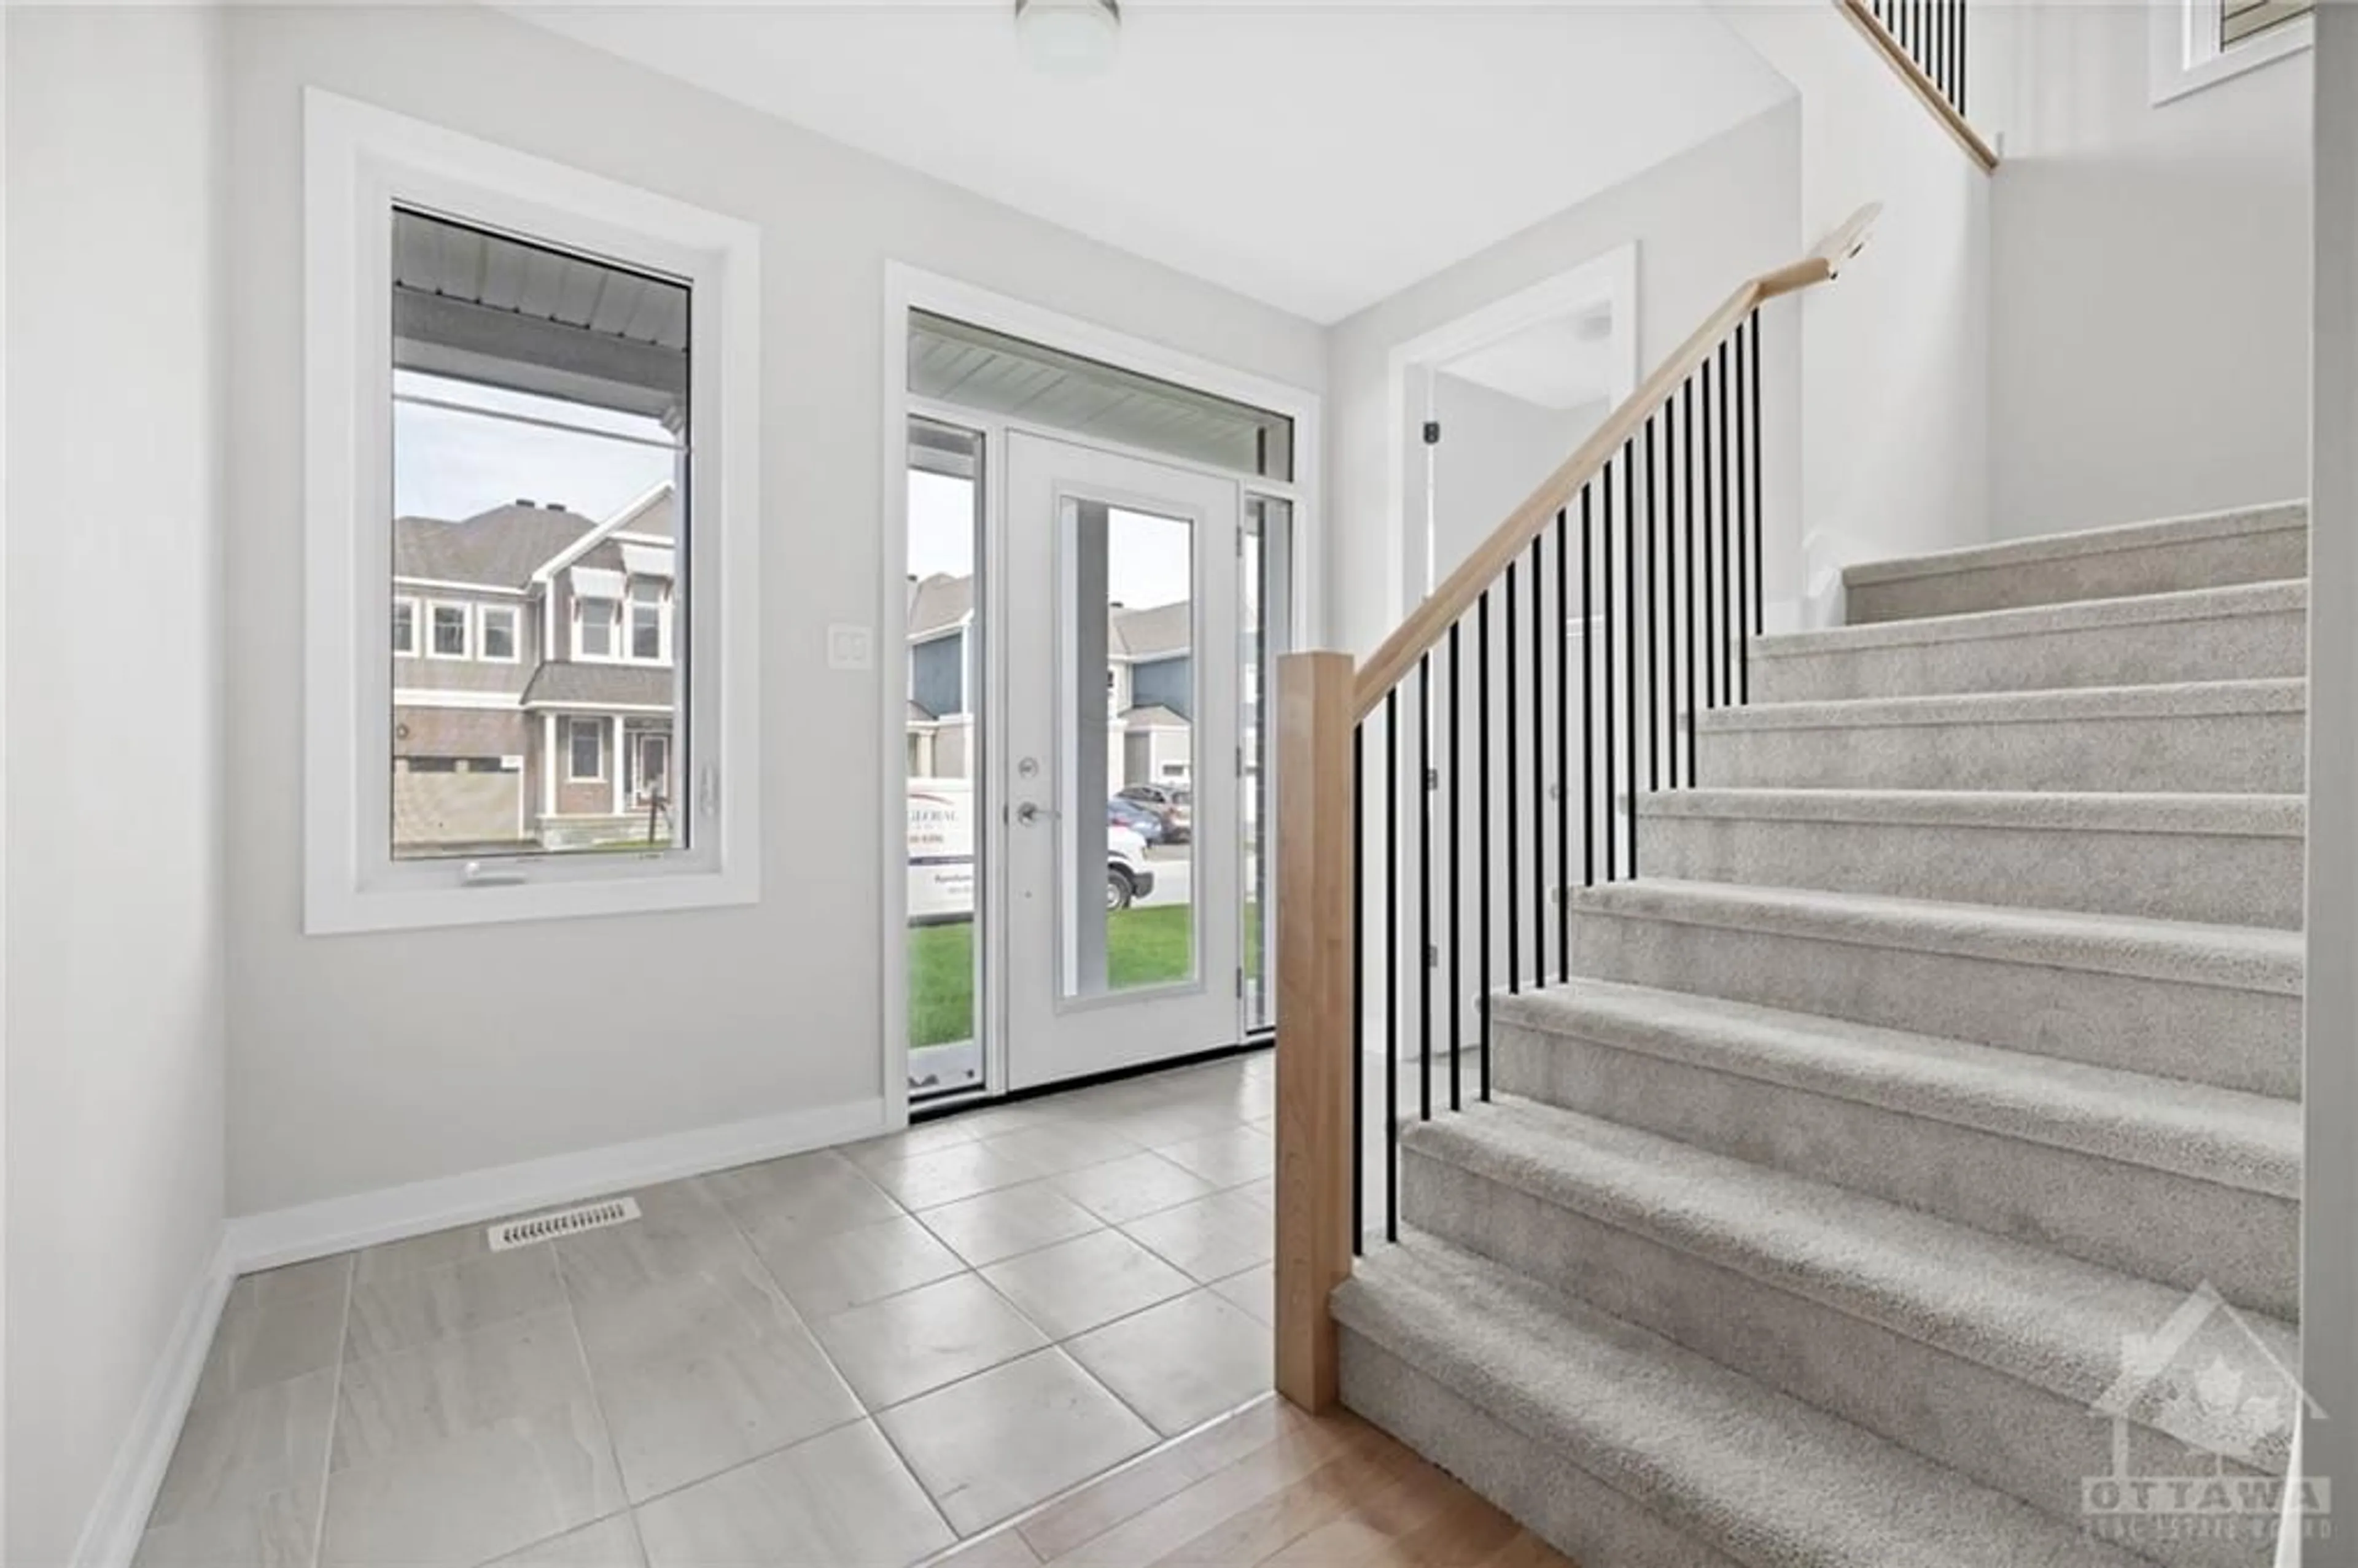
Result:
[941,855]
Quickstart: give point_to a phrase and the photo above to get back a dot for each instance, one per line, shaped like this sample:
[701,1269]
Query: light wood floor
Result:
[1268,1485]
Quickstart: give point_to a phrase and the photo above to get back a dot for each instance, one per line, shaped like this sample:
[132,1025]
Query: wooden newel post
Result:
[1314,937]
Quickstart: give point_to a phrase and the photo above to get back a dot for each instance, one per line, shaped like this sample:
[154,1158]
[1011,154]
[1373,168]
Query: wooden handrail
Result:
[1920,83]
[1430,622]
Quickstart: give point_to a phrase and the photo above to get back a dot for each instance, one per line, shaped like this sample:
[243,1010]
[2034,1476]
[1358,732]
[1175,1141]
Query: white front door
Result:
[1119,770]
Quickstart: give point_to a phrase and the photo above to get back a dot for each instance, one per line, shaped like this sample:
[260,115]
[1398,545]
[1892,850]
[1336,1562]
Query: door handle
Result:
[1032,811]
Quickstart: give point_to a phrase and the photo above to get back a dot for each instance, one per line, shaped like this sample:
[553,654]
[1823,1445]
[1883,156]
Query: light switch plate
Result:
[849,648]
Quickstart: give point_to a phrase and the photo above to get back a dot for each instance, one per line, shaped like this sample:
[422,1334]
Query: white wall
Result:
[1494,451]
[2329,1258]
[114,955]
[1703,223]
[1894,355]
[3,780]
[2150,265]
[366,1061]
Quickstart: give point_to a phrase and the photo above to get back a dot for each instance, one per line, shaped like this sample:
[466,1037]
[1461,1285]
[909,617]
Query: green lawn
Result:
[1143,948]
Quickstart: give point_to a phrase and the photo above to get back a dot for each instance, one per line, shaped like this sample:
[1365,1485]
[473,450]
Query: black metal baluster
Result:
[1726,547]
[1745,562]
[1456,845]
[1951,48]
[1514,808]
[1539,763]
[1709,631]
[1562,752]
[1612,818]
[1933,48]
[1670,577]
[1425,954]
[1760,529]
[1482,820]
[1359,988]
[1587,693]
[1653,659]
[1964,50]
[1687,490]
[1391,965]
[1629,627]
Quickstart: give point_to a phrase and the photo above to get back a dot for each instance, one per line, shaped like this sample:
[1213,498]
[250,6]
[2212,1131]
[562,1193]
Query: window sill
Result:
[414,906]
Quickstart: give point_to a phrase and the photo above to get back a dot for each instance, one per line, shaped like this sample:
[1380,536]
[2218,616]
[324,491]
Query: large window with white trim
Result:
[545,479]
[541,430]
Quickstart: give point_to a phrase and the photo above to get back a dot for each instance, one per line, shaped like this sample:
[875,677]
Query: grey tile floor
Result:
[854,1357]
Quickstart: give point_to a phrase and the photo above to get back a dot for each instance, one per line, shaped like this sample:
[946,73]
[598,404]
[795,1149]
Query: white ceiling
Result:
[1315,155]
[1559,363]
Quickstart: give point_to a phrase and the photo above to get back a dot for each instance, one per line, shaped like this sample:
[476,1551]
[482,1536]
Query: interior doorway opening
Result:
[1486,406]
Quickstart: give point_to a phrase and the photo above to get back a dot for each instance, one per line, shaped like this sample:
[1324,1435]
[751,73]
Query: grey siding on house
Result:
[935,679]
[1167,682]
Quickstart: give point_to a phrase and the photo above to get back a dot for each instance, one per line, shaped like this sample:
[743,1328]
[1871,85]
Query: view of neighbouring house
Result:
[1150,696]
[534,686]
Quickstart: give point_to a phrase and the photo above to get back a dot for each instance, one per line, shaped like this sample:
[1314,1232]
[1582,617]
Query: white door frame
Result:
[908,288]
[1609,279]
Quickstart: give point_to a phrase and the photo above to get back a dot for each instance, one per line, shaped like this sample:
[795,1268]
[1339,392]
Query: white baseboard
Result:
[110,1536]
[393,1214]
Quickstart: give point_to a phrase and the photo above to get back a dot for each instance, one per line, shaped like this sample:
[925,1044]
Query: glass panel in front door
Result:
[1126,694]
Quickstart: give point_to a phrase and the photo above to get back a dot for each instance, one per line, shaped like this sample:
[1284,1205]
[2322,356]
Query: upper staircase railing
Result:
[1662,616]
[1925,41]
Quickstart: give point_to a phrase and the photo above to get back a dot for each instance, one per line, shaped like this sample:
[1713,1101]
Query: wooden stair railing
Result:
[1325,698]
[1926,42]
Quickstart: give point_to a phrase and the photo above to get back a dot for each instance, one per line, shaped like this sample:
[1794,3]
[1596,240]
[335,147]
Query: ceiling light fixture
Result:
[1068,38]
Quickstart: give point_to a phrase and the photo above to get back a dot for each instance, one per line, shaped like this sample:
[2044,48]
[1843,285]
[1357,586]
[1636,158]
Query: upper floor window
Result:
[569,360]
[2243,19]
[593,627]
[498,641]
[650,621]
[2199,43]
[447,631]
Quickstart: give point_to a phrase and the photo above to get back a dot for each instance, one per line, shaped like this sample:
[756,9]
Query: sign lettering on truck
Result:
[941,855]
[941,850]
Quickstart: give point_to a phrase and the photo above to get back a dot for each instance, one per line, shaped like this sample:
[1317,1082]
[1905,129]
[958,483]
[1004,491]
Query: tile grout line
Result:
[866,1415]
[1014,1522]
[629,1510]
[871,1416]
[335,1411]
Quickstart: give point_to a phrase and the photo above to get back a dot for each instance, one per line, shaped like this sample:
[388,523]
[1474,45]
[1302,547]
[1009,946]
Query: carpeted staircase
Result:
[1917,1145]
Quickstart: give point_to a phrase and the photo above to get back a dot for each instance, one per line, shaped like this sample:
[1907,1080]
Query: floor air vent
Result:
[564,1222]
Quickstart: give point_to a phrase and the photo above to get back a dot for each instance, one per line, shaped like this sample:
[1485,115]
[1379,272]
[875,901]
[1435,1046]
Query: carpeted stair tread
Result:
[2048,1320]
[2248,815]
[2069,704]
[2047,548]
[1766,1479]
[2075,615]
[2238,1139]
[2231,956]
